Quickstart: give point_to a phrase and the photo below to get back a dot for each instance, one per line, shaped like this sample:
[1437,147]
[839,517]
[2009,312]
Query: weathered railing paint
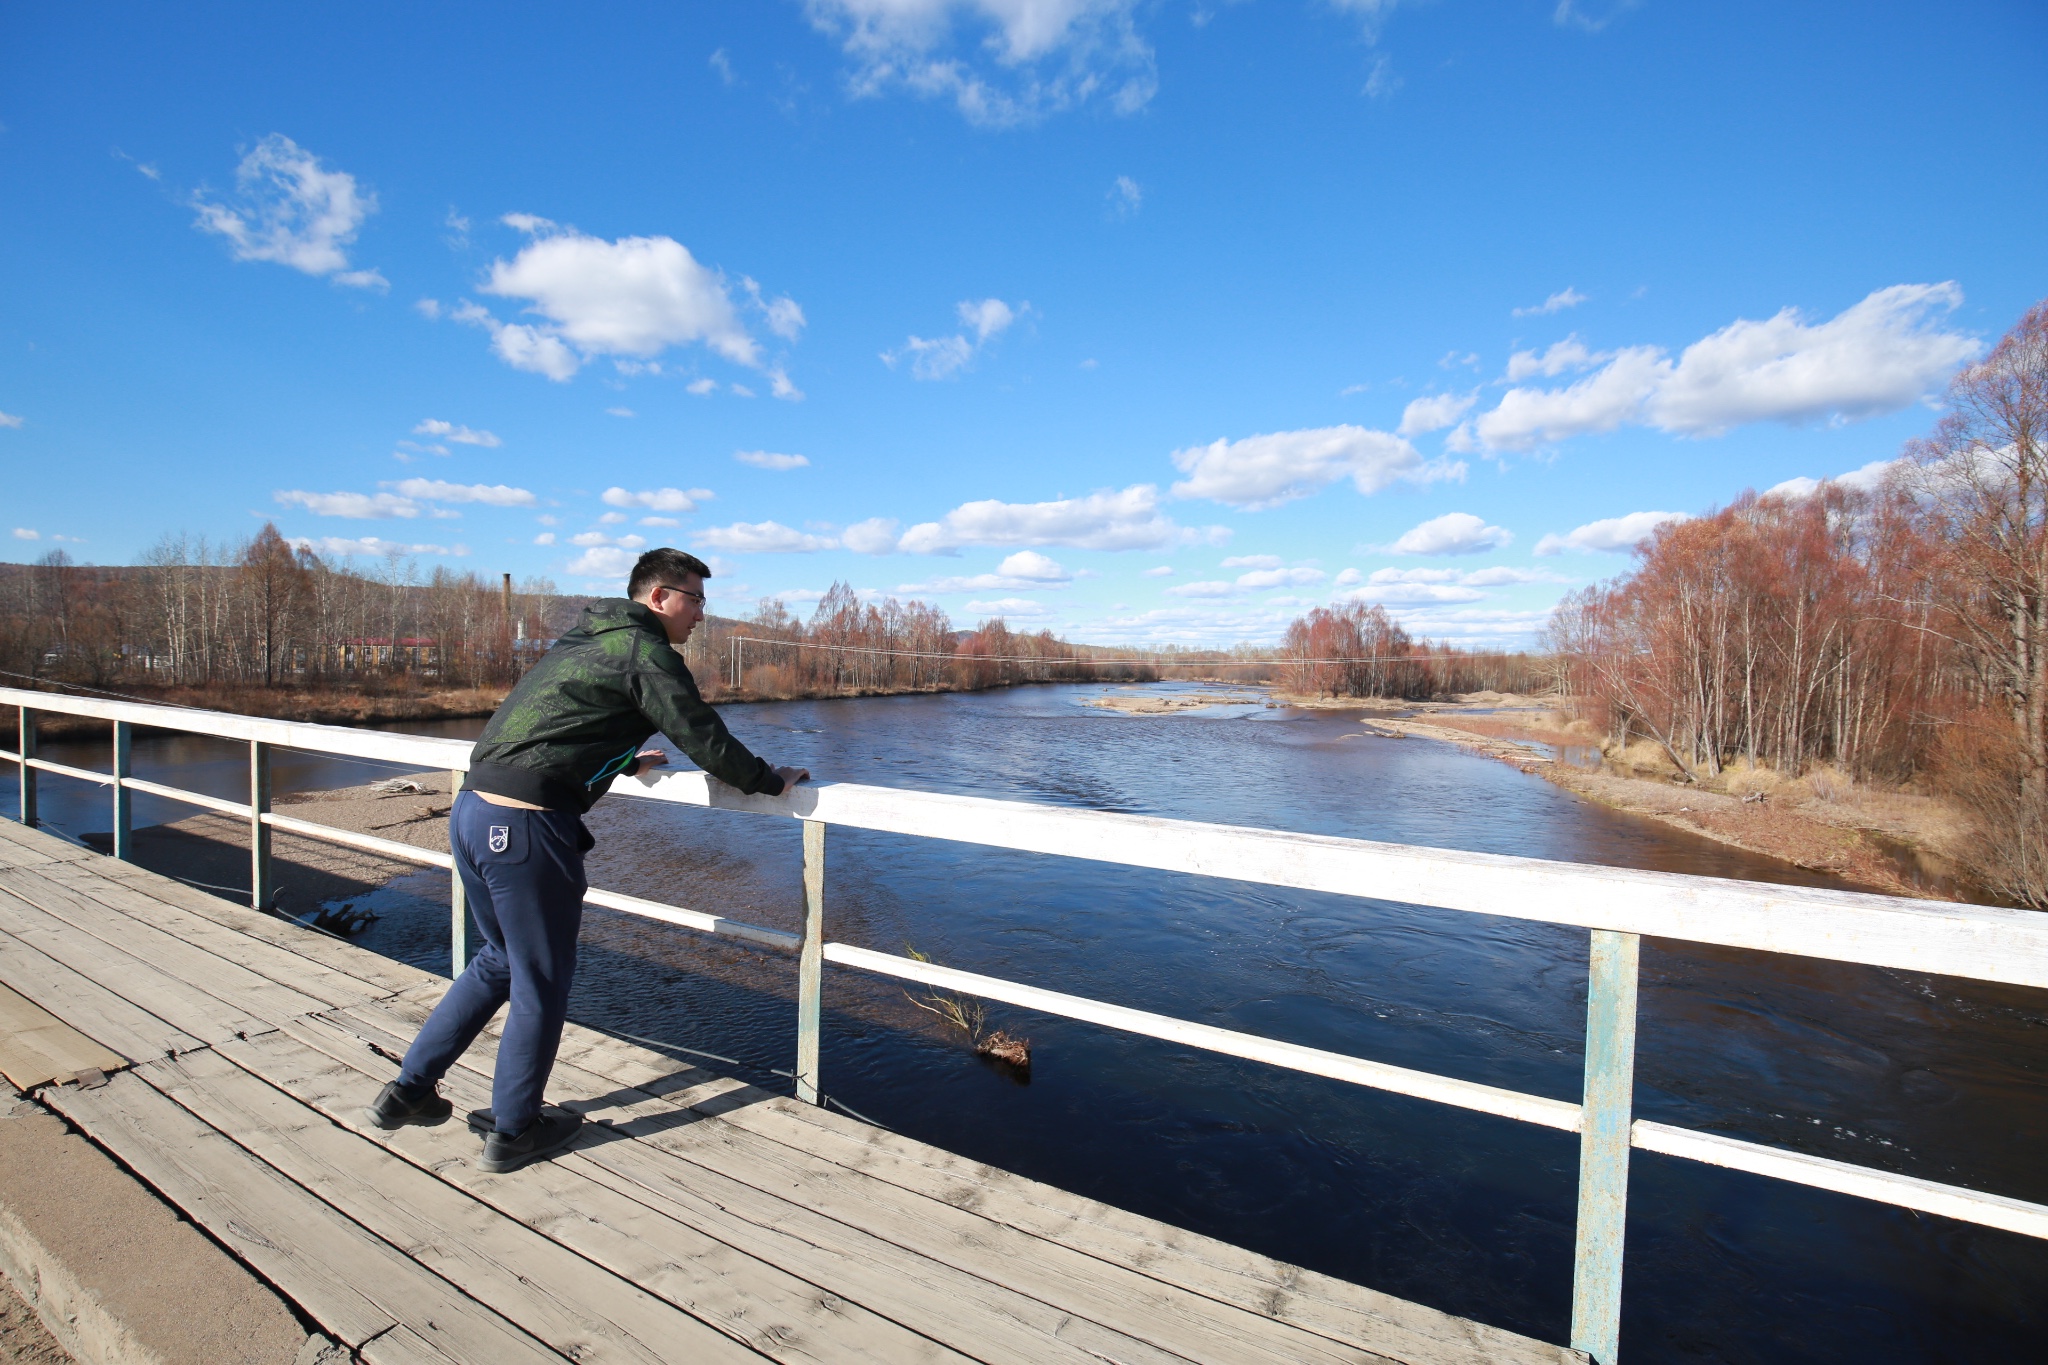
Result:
[1617,905]
[1604,1118]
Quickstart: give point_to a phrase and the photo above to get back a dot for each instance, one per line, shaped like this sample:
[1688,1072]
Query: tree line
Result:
[1898,633]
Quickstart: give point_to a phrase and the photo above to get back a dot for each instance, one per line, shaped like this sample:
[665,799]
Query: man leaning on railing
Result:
[577,720]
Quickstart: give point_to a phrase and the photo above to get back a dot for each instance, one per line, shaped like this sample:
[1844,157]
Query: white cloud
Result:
[722,64]
[1018,61]
[429,309]
[490,494]
[875,536]
[1280,578]
[622,412]
[1411,593]
[1453,533]
[588,539]
[342,547]
[1569,354]
[634,297]
[27,533]
[657,499]
[780,387]
[1867,479]
[702,388]
[1160,571]
[1434,413]
[364,279]
[363,506]
[1265,471]
[1349,578]
[1382,81]
[1613,534]
[784,316]
[1556,303]
[290,209]
[460,435]
[1126,520]
[1252,562]
[9,420]
[762,537]
[768,459]
[1031,565]
[740,390]
[945,357]
[1502,574]
[1024,569]
[1497,576]
[611,519]
[1208,588]
[1876,356]
[544,538]
[1007,606]
[604,561]
[1125,197]
[659,521]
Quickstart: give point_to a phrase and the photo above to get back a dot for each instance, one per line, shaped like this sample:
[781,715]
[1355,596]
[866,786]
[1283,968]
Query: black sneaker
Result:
[544,1137]
[392,1109]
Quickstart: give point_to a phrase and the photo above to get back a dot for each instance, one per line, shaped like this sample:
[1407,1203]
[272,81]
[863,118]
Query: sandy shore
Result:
[1136,703]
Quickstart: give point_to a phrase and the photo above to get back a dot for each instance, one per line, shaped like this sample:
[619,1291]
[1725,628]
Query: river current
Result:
[1468,1213]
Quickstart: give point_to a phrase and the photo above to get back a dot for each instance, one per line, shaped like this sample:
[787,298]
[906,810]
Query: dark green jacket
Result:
[577,718]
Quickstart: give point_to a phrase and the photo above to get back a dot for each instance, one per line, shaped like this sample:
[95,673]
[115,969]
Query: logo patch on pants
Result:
[501,838]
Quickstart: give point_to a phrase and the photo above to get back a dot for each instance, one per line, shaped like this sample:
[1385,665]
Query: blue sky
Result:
[1139,321]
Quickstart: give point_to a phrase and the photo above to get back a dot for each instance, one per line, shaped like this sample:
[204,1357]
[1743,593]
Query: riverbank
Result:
[1893,842]
[315,705]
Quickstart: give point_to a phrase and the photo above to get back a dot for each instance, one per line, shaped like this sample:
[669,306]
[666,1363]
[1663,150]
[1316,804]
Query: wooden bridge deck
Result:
[698,1219]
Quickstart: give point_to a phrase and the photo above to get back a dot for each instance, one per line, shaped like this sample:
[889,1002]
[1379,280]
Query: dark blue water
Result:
[1462,1211]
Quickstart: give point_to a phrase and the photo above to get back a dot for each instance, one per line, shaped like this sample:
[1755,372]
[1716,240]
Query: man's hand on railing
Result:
[649,758]
[791,776]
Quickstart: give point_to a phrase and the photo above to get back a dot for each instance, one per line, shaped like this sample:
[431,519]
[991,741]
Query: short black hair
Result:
[663,567]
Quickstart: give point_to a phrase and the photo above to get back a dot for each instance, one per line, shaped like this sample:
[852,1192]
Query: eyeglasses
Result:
[685,592]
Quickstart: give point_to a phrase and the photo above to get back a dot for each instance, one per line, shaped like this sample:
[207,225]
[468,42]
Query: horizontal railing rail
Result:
[1616,905]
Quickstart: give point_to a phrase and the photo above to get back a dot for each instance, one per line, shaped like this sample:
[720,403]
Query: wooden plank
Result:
[87,1006]
[753,1301]
[1330,1307]
[278,964]
[36,1047]
[575,1307]
[1173,1320]
[372,969]
[1982,942]
[21,845]
[220,976]
[989,1321]
[177,1002]
[348,1281]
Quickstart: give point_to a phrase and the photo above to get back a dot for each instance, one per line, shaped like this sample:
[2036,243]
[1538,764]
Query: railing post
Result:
[124,799]
[261,892]
[1604,1144]
[458,900]
[810,973]
[28,774]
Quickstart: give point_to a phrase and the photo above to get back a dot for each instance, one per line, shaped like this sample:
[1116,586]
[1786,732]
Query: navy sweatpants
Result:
[522,871]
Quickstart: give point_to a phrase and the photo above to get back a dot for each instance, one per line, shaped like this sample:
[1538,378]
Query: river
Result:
[1462,1211]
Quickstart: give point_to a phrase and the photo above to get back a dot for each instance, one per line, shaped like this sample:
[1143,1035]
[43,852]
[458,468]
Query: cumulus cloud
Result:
[1434,413]
[341,547]
[875,536]
[1024,569]
[1562,357]
[1280,578]
[1612,534]
[1126,520]
[1266,471]
[1453,533]
[363,506]
[702,388]
[1252,562]
[460,435]
[621,412]
[657,499]
[762,537]
[1001,62]
[591,539]
[290,209]
[768,459]
[1160,571]
[630,299]
[1008,606]
[1564,298]
[27,533]
[946,357]
[1497,576]
[1207,588]
[492,494]
[604,561]
[9,421]
[1876,356]
[544,538]
[1867,479]
[1390,594]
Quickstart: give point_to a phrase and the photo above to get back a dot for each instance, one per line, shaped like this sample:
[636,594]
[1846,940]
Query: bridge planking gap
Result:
[353,1284]
[572,1305]
[754,1301]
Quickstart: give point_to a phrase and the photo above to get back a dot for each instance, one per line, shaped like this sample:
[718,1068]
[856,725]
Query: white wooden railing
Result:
[1617,907]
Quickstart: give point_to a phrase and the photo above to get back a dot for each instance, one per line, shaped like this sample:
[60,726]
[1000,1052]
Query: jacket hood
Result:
[618,613]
